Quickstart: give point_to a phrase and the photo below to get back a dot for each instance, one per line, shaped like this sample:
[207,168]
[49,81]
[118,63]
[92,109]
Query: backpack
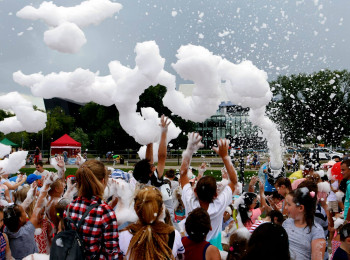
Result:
[68,244]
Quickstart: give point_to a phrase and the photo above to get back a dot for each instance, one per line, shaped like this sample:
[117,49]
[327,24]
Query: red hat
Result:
[336,171]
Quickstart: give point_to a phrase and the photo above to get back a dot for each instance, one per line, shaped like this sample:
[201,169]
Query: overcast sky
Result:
[280,37]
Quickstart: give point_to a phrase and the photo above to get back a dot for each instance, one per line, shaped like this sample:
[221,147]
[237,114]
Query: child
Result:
[238,244]
[246,207]
[205,194]
[5,251]
[343,251]
[197,227]
[306,238]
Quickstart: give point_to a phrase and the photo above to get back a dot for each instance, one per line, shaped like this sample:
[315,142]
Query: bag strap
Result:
[83,217]
[86,213]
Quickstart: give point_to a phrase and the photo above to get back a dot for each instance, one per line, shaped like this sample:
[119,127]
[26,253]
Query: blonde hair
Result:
[54,185]
[89,179]
[20,196]
[150,235]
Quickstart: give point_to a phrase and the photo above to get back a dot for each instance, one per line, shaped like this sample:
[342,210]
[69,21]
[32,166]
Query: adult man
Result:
[345,170]
[40,171]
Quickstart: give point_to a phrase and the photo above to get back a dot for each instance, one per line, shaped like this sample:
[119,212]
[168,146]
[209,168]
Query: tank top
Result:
[2,246]
[195,251]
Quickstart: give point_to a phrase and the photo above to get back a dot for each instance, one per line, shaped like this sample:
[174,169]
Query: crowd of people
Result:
[150,213]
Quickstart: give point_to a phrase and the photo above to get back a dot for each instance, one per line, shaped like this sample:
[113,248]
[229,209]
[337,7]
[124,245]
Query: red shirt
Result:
[193,250]
[99,229]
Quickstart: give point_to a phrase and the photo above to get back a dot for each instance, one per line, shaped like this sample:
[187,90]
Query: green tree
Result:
[79,135]
[312,108]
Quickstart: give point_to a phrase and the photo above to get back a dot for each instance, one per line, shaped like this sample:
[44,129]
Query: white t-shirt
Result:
[42,174]
[332,196]
[125,238]
[216,211]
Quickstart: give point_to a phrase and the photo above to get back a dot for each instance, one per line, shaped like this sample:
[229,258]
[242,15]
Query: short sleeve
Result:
[124,241]
[317,232]
[178,247]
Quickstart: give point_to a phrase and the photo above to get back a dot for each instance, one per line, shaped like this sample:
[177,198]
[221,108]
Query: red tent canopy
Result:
[65,142]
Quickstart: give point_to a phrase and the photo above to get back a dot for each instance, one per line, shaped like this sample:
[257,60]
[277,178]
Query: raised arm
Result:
[15,186]
[222,151]
[61,167]
[162,150]
[149,153]
[193,144]
[263,204]
[30,196]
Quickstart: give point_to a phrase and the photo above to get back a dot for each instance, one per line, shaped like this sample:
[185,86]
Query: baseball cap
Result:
[119,174]
[32,178]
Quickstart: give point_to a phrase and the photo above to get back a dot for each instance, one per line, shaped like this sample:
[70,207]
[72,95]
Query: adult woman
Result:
[99,229]
[150,238]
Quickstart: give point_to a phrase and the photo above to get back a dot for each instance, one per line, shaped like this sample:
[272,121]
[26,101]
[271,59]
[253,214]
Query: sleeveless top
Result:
[2,247]
[195,251]
[41,239]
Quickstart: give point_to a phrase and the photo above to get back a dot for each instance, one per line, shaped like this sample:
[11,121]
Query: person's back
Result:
[99,229]
[197,227]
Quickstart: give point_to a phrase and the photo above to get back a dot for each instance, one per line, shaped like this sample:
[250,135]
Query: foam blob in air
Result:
[15,162]
[65,34]
[4,150]
[26,118]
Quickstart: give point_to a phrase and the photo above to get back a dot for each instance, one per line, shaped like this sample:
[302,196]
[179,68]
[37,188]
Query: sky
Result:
[280,37]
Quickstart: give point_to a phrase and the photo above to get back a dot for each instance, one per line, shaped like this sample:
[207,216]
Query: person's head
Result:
[91,179]
[250,200]
[276,197]
[39,166]
[345,234]
[336,158]
[238,245]
[276,217]
[301,205]
[198,225]
[20,195]
[143,171]
[57,188]
[150,234]
[170,174]
[268,241]
[59,210]
[206,189]
[283,186]
[308,170]
[14,217]
[345,169]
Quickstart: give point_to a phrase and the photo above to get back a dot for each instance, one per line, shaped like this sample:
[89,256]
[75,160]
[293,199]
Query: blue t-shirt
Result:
[347,199]
[267,187]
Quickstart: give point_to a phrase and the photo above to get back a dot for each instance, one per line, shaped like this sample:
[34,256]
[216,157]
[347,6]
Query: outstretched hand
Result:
[60,161]
[222,149]
[194,142]
[164,123]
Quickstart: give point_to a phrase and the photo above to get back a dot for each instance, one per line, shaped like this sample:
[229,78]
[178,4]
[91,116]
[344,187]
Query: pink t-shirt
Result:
[255,214]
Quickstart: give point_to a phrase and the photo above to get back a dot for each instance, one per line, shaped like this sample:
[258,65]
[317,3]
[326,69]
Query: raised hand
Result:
[194,142]
[164,123]
[79,160]
[60,161]
[222,149]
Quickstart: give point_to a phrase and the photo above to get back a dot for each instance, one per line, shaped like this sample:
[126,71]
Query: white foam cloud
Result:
[65,34]
[26,118]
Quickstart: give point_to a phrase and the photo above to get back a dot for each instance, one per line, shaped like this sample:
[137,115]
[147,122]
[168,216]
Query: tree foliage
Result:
[312,108]
[79,135]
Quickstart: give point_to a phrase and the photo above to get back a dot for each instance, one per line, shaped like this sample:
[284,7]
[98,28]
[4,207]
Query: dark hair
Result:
[198,225]
[59,210]
[268,241]
[276,214]
[344,232]
[243,209]
[238,244]
[142,170]
[309,183]
[12,216]
[206,189]
[276,195]
[347,162]
[284,181]
[40,163]
[302,196]
[336,157]
[170,173]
